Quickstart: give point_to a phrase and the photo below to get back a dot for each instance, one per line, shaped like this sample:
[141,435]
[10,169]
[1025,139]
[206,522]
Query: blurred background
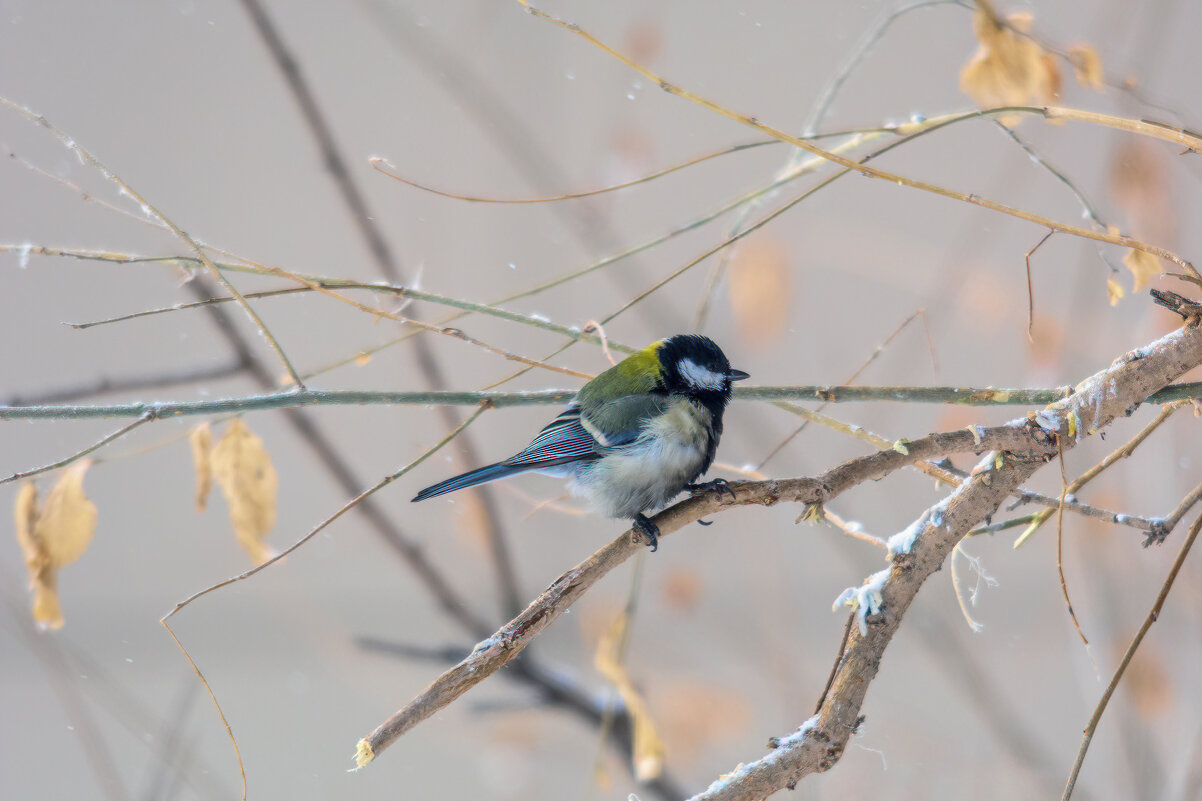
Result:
[733,635]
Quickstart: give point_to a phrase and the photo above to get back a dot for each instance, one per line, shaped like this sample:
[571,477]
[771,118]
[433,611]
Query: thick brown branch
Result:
[817,746]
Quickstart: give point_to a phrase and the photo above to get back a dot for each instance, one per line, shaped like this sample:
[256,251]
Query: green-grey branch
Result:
[543,397]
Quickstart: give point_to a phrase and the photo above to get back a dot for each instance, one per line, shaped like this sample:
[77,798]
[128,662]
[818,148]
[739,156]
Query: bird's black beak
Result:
[737,375]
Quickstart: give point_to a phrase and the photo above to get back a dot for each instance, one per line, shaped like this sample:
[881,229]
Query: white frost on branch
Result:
[865,599]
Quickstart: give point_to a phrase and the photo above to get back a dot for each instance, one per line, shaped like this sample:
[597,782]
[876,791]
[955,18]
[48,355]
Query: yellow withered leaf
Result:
[201,440]
[1143,266]
[648,747]
[67,519]
[242,468]
[1009,68]
[53,535]
[1087,66]
[1114,291]
[42,578]
[760,290]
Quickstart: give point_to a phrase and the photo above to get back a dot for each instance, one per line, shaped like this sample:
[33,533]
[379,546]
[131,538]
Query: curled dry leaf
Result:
[648,747]
[53,535]
[242,468]
[1009,68]
[201,440]
[1143,266]
[1087,66]
[1114,291]
[760,290]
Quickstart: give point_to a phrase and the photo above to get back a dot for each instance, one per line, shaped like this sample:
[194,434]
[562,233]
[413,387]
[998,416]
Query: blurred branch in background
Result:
[533,148]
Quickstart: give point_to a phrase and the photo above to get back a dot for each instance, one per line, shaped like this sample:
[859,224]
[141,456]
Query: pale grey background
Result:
[181,99]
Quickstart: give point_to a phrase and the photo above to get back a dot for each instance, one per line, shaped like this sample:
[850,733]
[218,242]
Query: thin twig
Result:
[1060,541]
[385,167]
[1030,285]
[849,380]
[1153,614]
[873,172]
[1170,522]
[365,222]
[315,283]
[212,697]
[853,530]
[1090,211]
[120,432]
[346,507]
[817,114]
[151,211]
[1111,458]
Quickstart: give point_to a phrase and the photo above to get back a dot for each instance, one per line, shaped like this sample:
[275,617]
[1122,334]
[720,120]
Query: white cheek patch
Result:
[699,376]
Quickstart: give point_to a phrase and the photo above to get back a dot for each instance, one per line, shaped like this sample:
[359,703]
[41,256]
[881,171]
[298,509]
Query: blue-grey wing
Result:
[563,440]
[620,421]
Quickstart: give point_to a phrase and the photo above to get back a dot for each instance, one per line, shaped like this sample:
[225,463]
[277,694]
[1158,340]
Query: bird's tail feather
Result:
[482,475]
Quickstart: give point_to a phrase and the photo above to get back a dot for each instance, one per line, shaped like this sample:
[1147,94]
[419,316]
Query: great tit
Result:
[633,437]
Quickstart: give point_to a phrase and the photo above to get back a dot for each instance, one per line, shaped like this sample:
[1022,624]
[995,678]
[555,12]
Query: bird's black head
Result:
[695,366]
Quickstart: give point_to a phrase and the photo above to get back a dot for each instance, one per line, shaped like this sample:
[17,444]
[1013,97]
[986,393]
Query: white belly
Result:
[651,471]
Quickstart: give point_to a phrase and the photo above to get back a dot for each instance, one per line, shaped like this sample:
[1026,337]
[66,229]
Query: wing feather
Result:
[563,440]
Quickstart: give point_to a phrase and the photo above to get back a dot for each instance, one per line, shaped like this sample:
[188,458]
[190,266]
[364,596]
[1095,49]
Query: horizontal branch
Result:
[294,398]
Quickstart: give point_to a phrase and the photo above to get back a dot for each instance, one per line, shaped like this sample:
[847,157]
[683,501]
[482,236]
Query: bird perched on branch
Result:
[633,437]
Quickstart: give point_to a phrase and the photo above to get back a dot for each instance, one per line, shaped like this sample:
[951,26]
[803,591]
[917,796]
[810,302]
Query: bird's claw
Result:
[648,530]
[716,485]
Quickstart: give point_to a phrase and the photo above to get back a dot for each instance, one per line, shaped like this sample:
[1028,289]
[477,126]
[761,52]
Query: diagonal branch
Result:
[357,208]
[1016,451]
[922,549]
[505,645]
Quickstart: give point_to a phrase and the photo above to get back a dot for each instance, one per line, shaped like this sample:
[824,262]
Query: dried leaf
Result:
[42,576]
[67,520]
[52,536]
[1143,266]
[242,468]
[761,290]
[1114,291]
[648,747]
[25,513]
[1008,69]
[1087,66]
[201,440]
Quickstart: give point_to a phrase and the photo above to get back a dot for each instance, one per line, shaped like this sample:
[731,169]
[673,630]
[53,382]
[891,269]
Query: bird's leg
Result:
[650,531]
[716,485]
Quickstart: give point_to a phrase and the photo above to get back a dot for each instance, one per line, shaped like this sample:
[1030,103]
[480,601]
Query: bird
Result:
[634,437]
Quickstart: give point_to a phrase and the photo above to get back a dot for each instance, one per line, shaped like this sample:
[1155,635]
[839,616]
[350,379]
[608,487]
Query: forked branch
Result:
[1014,452]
